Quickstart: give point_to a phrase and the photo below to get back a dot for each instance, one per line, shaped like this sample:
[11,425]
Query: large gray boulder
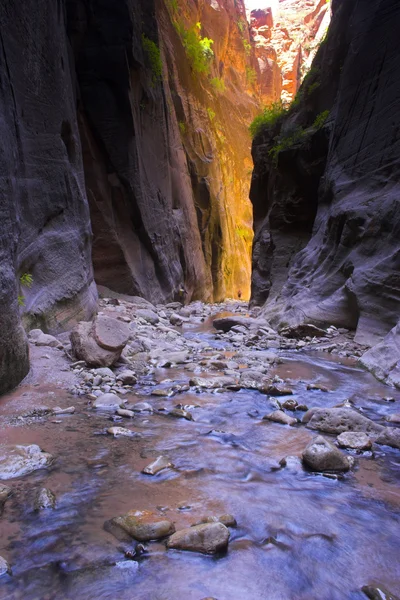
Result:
[99,343]
[207,539]
[322,456]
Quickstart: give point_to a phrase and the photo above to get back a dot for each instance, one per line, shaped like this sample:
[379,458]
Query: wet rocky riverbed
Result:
[197,397]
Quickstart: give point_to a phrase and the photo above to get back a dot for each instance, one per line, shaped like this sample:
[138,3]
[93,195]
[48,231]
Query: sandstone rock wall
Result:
[212,110]
[286,41]
[327,211]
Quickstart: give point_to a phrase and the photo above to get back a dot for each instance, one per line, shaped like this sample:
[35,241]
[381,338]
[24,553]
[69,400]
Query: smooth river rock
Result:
[144,525]
[209,538]
[356,440]
[107,402]
[19,460]
[321,455]
[278,416]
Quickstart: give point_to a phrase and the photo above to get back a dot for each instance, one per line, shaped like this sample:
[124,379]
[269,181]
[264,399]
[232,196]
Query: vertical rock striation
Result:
[326,189]
[44,226]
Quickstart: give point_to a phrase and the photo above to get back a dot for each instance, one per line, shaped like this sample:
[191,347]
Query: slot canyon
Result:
[199,299]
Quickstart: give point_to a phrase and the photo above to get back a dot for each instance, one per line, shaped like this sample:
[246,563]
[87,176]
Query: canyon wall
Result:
[325,189]
[286,40]
[114,135]
[44,225]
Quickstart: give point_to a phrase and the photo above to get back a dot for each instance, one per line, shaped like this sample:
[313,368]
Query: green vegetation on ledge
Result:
[269,116]
[154,58]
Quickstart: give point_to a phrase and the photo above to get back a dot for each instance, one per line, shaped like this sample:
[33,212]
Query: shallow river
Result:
[300,536]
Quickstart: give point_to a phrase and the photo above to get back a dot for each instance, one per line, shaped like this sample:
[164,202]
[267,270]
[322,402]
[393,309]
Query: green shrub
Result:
[247,47]
[251,75]
[218,84]
[320,120]
[182,127]
[198,49]
[287,141]
[269,116]
[211,113]
[25,280]
[154,58]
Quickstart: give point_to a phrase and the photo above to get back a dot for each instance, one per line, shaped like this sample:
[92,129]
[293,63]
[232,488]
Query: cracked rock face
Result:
[327,214]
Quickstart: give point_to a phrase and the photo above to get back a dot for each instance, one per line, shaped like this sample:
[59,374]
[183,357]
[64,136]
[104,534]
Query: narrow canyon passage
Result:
[299,534]
[199,300]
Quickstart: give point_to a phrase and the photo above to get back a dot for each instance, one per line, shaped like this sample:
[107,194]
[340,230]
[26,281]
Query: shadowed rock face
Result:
[44,224]
[327,211]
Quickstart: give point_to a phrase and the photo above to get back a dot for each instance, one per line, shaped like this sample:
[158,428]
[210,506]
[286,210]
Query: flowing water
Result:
[300,536]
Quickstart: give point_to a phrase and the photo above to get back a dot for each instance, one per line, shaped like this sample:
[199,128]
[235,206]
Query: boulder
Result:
[107,402]
[144,525]
[127,377]
[303,330]
[320,455]
[278,416]
[389,436]
[148,315]
[19,460]
[338,420]
[225,324]
[110,334]
[85,347]
[356,440]
[209,538]
[43,339]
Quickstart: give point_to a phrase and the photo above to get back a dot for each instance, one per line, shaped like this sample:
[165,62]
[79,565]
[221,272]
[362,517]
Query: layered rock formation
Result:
[325,187]
[286,41]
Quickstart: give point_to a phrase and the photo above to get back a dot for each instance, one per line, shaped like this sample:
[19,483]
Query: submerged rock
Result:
[356,440]
[378,593]
[144,526]
[209,538]
[321,455]
[45,498]
[121,432]
[5,493]
[227,520]
[389,436]
[107,402]
[278,416]
[161,463]
[19,460]
[4,567]
[338,420]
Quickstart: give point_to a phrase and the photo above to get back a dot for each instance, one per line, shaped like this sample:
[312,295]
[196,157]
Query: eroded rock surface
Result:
[321,455]
[326,248]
